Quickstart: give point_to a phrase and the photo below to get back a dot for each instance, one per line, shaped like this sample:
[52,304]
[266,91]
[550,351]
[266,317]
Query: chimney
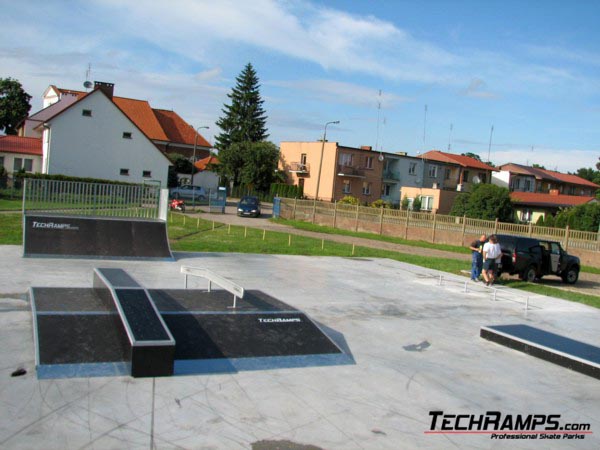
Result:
[366,147]
[107,88]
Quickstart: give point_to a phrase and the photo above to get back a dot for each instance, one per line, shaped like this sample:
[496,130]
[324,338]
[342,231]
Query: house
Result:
[167,130]
[20,153]
[94,137]
[329,171]
[205,177]
[444,176]
[539,192]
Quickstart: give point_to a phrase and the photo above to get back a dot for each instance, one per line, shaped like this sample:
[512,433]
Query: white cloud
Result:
[477,89]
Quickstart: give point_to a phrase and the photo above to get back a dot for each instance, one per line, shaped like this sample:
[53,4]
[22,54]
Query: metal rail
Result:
[228,285]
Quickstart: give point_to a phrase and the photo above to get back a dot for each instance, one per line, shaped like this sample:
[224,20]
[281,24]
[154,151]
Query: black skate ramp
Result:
[47,235]
[85,332]
[575,355]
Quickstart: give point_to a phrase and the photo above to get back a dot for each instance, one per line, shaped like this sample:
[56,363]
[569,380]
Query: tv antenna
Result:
[450,137]
[378,115]
[87,84]
[490,145]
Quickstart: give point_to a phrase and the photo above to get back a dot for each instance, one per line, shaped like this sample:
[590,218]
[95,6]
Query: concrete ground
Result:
[414,338]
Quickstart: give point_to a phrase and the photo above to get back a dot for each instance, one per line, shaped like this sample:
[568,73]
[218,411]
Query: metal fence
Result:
[362,216]
[91,199]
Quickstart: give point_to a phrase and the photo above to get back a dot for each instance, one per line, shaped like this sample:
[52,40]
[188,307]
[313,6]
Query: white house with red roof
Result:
[93,137]
[20,153]
[538,192]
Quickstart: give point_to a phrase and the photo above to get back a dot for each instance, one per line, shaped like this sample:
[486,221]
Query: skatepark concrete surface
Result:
[413,334]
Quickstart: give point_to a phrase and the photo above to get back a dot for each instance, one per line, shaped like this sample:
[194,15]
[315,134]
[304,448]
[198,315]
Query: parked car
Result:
[533,258]
[248,206]
[187,191]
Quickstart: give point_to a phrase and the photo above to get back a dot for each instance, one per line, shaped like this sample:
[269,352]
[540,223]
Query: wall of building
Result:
[8,161]
[94,146]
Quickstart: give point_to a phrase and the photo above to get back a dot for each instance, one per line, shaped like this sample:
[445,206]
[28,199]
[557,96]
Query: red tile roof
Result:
[140,113]
[19,144]
[202,163]
[177,129]
[157,124]
[540,199]
[571,179]
[464,161]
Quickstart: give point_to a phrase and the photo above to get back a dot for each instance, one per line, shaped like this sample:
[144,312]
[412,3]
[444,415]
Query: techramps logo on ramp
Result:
[54,226]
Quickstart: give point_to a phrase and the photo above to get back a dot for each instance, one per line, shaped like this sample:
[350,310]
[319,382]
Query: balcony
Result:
[350,171]
[390,176]
[300,168]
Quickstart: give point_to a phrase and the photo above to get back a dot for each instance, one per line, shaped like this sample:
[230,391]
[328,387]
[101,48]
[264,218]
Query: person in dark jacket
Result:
[477,257]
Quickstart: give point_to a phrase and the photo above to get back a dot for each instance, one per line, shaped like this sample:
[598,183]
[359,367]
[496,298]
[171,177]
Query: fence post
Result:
[433,231]
[496,226]
[406,224]
[334,212]
[294,213]
[530,229]
[314,210]
[567,238]
[381,221]
[356,221]
[464,229]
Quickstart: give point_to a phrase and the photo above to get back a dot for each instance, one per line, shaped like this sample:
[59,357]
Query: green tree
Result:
[14,105]
[243,123]
[537,166]
[486,202]
[417,202]
[472,155]
[260,162]
[404,203]
[583,217]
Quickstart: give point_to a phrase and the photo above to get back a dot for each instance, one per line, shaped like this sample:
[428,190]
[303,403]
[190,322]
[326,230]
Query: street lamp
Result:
[194,155]
[321,160]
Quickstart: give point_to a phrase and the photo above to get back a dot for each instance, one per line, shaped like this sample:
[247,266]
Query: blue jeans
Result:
[476,265]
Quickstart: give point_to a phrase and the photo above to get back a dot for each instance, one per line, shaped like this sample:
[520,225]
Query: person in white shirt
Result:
[492,254]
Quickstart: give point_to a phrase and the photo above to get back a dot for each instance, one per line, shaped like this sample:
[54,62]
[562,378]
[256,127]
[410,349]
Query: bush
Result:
[286,190]
[381,204]
[417,202]
[349,200]
[41,176]
[404,203]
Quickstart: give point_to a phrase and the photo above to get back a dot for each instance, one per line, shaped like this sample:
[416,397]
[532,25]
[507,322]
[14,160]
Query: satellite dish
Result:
[476,179]
[87,84]
[380,158]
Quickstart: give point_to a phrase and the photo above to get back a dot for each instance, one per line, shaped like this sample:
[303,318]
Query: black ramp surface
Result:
[141,316]
[561,350]
[118,278]
[230,335]
[46,235]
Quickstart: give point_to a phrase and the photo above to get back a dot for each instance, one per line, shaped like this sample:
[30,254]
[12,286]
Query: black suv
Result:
[533,258]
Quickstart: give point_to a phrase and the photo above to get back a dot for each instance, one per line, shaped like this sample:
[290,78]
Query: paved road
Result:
[588,283]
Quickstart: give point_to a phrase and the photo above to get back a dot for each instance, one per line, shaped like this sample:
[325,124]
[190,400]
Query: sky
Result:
[400,76]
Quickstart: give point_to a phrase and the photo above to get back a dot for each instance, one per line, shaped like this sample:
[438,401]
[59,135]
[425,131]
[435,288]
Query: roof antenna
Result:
[490,145]
[450,137]
[87,84]
[378,114]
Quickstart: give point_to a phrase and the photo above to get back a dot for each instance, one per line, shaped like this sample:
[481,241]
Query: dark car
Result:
[248,206]
[533,258]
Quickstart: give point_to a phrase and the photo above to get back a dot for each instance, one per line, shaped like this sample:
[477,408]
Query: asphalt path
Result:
[588,283]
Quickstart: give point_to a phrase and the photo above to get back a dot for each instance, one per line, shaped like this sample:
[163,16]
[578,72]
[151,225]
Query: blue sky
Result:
[530,69]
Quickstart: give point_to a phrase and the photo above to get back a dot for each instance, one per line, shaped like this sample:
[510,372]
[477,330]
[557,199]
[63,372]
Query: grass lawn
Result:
[198,236]
[11,204]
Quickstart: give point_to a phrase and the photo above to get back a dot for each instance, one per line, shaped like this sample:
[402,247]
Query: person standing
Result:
[491,253]
[477,257]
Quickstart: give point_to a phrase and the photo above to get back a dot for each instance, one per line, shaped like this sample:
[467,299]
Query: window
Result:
[527,185]
[126,134]
[124,172]
[482,177]
[346,159]
[366,188]
[412,168]
[346,187]
[369,162]
[427,203]
[86,113]
[2,161]
[28,165]
[447,174]
[17,164]
[465,176]
[146,173]
[433,171]
[387,188]
[303,159]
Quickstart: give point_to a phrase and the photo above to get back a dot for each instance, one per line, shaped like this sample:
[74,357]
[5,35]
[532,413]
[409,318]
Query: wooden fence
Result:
[425,226]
